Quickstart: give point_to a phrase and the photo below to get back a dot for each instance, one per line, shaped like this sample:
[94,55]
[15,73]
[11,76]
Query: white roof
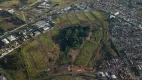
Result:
[102,74]
[117,13]
[5,41]
[45,28]
[11,38]
[11,11]
[113,77]
[41,24]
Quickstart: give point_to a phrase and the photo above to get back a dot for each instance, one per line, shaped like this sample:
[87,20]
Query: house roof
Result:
[11,38]
[5,41]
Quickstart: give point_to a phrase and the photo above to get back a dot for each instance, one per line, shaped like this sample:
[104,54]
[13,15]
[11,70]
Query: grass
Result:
[82,18]
[101,15]
[97,35]
[33,55]
[91,17]
[72,19]
[6,25]
[46,41]
[9,3]
[62,21]
[9,21]
[85,54]
[55,33]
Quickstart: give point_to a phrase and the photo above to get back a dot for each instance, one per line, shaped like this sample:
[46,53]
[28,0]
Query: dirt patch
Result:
[73,53]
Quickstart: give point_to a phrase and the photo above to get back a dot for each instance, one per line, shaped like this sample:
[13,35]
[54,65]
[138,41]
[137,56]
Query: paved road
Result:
[8,32]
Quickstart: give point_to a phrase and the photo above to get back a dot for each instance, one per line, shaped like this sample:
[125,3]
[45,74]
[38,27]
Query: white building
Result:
[5,41]
[113,76]
[11,38]
[41,24]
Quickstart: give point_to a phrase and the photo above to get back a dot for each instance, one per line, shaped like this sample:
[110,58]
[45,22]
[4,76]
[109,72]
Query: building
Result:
[36,33]
[46,28]
[11,11]
[11,38]
[41,24]
[113,77]
[5,41]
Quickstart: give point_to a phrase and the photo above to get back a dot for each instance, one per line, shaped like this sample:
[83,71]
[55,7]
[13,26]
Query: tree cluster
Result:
[72,37]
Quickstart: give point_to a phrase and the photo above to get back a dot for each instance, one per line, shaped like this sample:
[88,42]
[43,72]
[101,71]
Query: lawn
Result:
[85,54]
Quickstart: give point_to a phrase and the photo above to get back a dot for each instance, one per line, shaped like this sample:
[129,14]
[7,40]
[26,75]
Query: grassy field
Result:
[72,19]
[101,15]
[97,35]
[34,55]
[91,17]
[10,3]
[7,21]
[55,33]
[80,18]
[85,54]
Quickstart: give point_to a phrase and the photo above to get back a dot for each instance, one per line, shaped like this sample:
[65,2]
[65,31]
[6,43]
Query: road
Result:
[8,32]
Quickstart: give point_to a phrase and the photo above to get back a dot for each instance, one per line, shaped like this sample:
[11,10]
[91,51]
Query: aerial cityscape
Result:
[70,39]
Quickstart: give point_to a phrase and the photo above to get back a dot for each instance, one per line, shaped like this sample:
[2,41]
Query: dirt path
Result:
[33,62]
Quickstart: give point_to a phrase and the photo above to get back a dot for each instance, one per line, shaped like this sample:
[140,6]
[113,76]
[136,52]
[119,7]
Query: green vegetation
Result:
[9,21]
[72,37]
[4,0]
[34,54]
[85,54]
[72,19]
[97,35]
[9,62]
[55,33]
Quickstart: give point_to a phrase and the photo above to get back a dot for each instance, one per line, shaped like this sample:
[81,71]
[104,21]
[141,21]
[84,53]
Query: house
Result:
[11,38]
[5,41]
[113,77]
[11,11]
